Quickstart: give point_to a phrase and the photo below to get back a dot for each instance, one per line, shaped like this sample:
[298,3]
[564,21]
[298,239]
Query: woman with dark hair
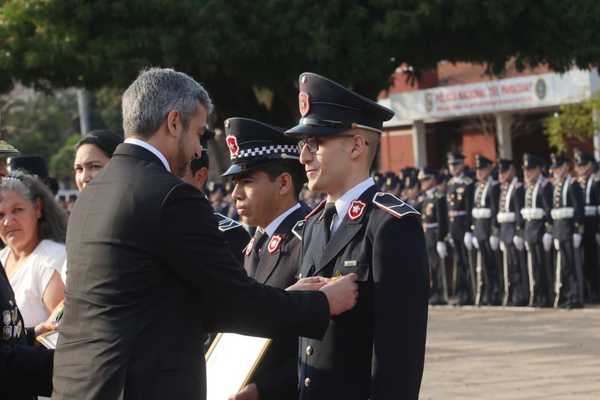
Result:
[33,228]
[92,153]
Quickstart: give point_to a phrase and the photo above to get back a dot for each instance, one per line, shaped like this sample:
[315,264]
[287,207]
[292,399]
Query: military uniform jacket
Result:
[25,371]
[277,375]
[485,208]
[509,218]
[375,351]
[459,195]
[591,194]
[568,210]
[536,209]
[149,275]
[434,213]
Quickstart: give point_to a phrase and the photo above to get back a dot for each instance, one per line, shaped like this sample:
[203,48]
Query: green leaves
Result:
[574,122]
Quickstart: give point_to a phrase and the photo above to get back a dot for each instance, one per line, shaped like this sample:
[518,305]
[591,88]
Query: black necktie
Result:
[328,215]
[259,240]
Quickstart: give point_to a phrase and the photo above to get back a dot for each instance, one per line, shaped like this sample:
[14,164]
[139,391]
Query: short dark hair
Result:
[292,167]
[105,140]
[201,162]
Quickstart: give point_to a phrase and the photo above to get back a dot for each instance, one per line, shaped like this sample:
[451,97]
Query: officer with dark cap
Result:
[235,234]
[267,181]
[6,150]
[567,230]
[485,230]
[391,183]
[591,235]
[537,231]
[509,220]
[410,194]
[433,214]
[459,196]
[375,351]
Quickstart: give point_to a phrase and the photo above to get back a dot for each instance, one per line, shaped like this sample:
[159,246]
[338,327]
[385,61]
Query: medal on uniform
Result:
[274,243]
[248,248]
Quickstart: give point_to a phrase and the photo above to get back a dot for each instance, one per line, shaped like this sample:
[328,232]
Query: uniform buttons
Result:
[307,382]
[309,351]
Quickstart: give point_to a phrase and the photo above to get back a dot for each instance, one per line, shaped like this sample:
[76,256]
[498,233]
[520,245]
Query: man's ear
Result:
[173,123]
[359,146]
[286,184]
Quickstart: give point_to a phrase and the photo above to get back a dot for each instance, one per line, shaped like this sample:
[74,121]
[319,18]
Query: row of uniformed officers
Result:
[494,239]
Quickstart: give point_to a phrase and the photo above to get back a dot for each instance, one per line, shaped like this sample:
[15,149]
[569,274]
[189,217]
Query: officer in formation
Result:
[534,242]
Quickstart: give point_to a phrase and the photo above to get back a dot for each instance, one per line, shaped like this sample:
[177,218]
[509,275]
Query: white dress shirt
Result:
[151,149]
[272,227]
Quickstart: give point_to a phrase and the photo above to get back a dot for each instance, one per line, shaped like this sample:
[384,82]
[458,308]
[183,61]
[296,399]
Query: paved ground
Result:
[512,354]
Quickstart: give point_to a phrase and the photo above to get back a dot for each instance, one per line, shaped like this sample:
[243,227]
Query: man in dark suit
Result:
[268,179]
[376,350]
[150,273]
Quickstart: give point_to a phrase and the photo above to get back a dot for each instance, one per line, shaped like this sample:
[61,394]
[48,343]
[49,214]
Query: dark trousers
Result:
[488,278]
[591,268]
[539,272]
[462,269]
[437,269]
[566,290]
[516,286]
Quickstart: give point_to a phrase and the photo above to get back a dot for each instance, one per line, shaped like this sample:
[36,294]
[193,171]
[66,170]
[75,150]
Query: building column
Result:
[503,135]
[419,140]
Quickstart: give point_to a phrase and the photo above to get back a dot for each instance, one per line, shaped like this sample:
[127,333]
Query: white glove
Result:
[556,244]
[598,238]
[518,241]
[468,241]
[475,243]
[502,247]
[547,240]
[494,243]
[441,249]
[577,240]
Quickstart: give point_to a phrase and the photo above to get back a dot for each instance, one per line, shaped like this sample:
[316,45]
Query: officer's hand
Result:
[341,293]
[494,243]
[310,283]
[468,239]
[547,241]
[249,392]
[577,240]
[519,244]
[441,249]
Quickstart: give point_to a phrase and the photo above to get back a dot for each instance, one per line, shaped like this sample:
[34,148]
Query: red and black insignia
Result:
[304,103]
[274,243]
[232,144]
[356,210]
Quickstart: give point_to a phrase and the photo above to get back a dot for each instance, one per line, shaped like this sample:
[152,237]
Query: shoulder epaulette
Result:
[393,205]
[466,180]
[299,228]
[315,210]
[226,223]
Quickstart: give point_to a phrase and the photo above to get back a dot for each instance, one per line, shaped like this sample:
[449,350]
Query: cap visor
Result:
[299,131]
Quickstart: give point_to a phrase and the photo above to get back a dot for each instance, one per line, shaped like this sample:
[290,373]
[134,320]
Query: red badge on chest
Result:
[274,244]
[356,210]
[232,144]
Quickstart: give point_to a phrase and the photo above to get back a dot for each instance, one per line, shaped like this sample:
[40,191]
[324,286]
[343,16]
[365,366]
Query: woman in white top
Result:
[33,228]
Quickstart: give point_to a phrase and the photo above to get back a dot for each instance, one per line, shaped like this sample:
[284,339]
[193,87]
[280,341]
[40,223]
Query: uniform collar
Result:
[151,149]
[272,227]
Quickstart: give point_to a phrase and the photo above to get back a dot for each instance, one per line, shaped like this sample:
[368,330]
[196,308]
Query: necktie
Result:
[328,215]
[259,240]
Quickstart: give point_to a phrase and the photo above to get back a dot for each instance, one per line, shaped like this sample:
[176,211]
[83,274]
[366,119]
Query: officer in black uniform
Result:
[509,219]
[484,212]
[235,235]
[591,235]
[567,230]
[411,190]
[375,351]
[268,179]
[536,230]
[459,195]
[433,211]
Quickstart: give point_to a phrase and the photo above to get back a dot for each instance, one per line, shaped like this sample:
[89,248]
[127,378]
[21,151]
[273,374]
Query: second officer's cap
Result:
[531,161]
[328,108]
[252,143]
[482,161]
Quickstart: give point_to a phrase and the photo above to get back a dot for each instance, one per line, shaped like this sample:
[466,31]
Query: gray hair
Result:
[53,223]
[155,93]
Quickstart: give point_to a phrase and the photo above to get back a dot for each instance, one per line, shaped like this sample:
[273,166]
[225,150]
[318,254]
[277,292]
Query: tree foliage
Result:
[574,122]
[241,48]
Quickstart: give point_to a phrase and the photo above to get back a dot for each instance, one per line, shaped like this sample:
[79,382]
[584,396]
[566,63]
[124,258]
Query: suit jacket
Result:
[25,370]
[149,274]
[376,350]
[235,235]
[277,376]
